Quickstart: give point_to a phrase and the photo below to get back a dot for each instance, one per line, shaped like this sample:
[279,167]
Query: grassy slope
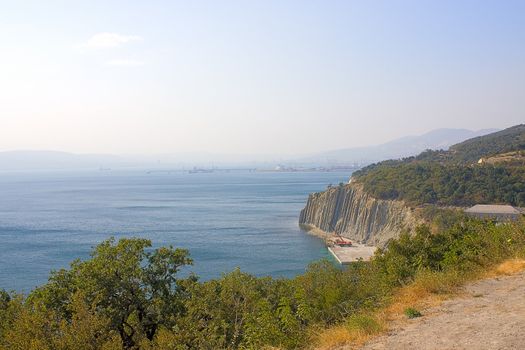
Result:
[511,139]
[427,290]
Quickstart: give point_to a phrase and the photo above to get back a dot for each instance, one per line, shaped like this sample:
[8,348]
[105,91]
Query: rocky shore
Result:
[351,212]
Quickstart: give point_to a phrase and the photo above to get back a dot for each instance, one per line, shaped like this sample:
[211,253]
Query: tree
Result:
[135,290]
[5,298]
[36,327]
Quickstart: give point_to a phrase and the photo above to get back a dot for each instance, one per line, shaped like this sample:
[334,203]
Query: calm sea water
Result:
[226,220]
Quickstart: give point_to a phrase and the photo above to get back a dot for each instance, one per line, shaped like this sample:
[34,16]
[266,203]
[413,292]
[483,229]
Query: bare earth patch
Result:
[489,315]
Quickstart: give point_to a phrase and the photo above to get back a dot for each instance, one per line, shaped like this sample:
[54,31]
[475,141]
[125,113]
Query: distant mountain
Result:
[46,160]
[403,147]
[399,148]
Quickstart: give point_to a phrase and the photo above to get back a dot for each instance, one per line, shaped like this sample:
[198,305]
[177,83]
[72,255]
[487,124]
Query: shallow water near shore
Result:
[226,220]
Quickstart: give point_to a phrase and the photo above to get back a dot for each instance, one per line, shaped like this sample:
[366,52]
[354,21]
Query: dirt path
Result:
[491,315]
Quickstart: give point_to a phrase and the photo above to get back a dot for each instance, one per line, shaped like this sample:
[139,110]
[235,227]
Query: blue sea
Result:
[226,220]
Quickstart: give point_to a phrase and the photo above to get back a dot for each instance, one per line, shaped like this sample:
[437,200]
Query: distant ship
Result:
[196,170]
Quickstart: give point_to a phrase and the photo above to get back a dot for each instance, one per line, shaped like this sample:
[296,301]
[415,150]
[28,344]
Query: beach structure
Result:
[348,254]
[497,212]
[339,241]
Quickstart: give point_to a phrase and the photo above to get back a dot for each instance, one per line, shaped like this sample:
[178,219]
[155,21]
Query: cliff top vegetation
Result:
[454,177]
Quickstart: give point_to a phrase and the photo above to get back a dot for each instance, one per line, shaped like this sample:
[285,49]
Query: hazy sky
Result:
[254,76]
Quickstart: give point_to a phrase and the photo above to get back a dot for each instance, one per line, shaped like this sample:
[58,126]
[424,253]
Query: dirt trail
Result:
[491,315]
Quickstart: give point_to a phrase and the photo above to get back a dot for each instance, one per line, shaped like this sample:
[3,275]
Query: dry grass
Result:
[333,338]
[508,267]
[342,337]
[428,290]
[355,332]
[416,297]
[517,156]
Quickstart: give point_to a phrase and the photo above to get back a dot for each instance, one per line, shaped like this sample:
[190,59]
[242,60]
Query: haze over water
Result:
[226,220]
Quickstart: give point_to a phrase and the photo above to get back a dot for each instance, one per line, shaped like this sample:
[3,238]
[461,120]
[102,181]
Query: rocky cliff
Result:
[348,210]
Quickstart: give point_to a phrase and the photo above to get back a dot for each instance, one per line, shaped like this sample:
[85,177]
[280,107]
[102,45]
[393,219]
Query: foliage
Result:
[420,182]
[126,288]
[363,323]
[4,299]
[134,290]
[440,219]
[410,312]
[453,178]
[510,139]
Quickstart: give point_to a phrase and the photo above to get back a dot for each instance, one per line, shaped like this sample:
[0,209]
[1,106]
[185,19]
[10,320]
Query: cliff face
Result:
[351,212]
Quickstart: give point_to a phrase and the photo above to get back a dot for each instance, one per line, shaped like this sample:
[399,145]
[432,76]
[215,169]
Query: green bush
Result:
[363,323]
[124,288]
[421,182]
[5,298]
[410,312]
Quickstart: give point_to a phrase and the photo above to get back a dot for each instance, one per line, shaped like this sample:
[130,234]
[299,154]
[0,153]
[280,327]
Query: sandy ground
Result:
[490,315]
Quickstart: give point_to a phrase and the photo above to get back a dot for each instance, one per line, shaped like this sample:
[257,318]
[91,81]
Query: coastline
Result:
[317,232]
[343,255]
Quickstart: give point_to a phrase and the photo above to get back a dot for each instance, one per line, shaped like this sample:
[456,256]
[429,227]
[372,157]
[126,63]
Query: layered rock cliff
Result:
[351,212]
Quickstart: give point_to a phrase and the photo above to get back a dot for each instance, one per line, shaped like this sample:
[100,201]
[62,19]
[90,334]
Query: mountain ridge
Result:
[397,148]
[401,147]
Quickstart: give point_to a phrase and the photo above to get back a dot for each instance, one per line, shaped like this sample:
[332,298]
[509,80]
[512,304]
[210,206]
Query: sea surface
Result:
[226,220]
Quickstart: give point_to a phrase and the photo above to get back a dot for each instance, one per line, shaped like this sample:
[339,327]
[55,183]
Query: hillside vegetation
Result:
[130,297]
[454,177]
[511,139]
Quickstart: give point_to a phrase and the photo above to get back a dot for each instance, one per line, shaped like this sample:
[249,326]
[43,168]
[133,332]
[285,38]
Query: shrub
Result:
[126,292]
[410,312]
[363,323]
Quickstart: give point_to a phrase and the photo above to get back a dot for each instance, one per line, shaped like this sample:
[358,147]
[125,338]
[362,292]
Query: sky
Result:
[254,77]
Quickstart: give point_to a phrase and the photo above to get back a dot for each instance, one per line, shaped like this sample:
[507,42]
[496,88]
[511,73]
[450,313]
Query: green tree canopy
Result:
[135,289]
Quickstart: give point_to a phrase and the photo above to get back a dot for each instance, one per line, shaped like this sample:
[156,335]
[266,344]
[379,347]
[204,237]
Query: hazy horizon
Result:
[211,153]
[410,145]
[254,78]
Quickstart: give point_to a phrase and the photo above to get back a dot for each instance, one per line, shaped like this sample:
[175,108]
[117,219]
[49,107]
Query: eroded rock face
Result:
[351,212]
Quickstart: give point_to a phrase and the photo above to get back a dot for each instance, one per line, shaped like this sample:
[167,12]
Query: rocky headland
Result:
[349,211]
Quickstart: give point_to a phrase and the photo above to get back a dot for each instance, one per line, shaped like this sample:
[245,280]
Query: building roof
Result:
[493,209]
